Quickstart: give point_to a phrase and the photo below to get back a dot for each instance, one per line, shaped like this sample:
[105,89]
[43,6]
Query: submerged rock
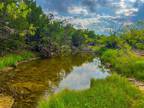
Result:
[26,87]
[6,101]
[7,69]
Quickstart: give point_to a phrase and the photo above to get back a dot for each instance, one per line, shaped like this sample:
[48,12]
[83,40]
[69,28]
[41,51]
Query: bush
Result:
[125,62]
[110,55]
[140,46]
[65,50]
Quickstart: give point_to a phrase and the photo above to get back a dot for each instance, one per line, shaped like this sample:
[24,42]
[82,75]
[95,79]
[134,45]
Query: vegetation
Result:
[25,26]
[113,92]
[24,29]
[134,35]
[118,52]
[12,59]
[125,62]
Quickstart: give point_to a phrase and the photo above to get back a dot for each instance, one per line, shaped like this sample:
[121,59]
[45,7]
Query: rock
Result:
[7,69]
[26,87]
[6,101]
[108,65]
[86,49]
[17,70]
[141,88]
[131,79]
[137,83]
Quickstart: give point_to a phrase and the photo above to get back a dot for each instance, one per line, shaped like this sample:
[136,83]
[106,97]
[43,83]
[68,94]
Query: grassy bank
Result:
[126,63]
[12,59]
[113,92]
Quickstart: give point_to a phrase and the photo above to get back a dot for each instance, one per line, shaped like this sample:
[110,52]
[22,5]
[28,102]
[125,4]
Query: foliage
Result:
[125,62]
[134,37]
[37,31]
[26,21]
[12,59]
[113,92]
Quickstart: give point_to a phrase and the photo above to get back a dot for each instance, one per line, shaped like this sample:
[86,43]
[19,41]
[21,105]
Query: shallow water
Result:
[34,80]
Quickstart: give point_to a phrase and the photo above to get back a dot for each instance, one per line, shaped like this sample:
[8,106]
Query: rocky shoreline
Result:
[7,69]
[6,101]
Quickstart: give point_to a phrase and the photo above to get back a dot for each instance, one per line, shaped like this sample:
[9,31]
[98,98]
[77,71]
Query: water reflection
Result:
[80,76]
[31,81]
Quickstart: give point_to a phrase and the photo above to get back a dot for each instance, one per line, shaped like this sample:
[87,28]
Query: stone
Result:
[141,88]
[26,87]
[7,69]
[108,65]
[17,70]
[6,101]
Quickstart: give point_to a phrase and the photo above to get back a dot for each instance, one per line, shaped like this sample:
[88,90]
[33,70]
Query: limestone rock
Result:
[26,87]
[6,101]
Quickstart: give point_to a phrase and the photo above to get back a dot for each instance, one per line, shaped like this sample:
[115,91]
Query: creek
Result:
[29,82]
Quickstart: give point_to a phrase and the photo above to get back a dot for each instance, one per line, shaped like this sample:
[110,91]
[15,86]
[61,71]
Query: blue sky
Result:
[99,15]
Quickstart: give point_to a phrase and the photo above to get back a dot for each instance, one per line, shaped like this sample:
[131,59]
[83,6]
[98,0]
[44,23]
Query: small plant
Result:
[12,59]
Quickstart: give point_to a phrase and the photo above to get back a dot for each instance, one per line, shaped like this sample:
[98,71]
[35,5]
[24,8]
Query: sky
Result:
[102,16]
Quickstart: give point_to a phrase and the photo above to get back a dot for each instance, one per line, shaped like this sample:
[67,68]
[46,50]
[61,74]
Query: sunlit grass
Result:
[125,62]
[12,59]
[113,92]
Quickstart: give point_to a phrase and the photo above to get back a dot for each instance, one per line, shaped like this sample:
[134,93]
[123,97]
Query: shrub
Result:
[140,46]
[125,62]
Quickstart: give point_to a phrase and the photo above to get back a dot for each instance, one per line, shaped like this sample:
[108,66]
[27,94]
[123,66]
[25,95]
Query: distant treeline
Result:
[24,26]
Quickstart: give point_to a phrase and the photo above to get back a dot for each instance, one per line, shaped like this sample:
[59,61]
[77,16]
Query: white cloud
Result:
[127,11]
[94,21]
[84,22]
[94,14]
[78,10]
[123,8]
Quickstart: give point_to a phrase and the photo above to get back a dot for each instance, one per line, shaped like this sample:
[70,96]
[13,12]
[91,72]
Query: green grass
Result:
[126,63]
[113,92]
[12,59]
